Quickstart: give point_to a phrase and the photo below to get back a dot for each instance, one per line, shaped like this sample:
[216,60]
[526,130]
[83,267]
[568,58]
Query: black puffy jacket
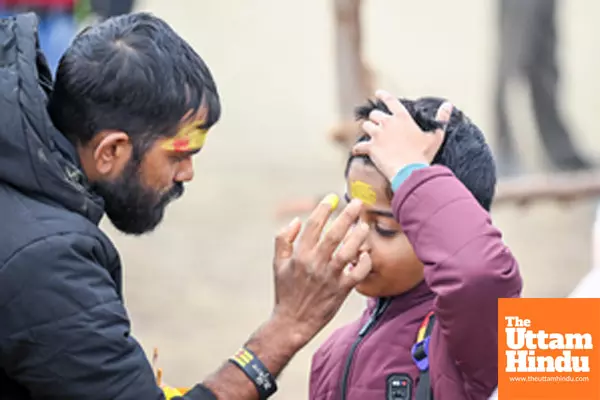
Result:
[64,331]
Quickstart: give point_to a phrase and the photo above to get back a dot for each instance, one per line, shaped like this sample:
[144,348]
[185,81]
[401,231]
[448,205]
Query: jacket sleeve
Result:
[65,333]
[467,266]
[315,372]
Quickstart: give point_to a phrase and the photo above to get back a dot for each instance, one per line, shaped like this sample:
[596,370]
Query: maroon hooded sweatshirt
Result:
[467,268]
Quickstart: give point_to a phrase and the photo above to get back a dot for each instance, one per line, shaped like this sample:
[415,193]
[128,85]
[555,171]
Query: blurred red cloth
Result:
[46,4]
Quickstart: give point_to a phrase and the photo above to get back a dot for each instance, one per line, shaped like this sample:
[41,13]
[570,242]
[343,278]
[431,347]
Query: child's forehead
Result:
[366,172]
[366,184]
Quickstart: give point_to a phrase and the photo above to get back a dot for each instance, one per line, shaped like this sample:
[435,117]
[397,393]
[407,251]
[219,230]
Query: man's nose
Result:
[185,172]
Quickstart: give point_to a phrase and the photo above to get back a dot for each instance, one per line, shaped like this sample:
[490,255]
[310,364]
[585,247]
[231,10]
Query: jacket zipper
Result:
[382,304]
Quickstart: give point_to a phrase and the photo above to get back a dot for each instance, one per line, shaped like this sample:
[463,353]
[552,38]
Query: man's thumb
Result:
[284,242]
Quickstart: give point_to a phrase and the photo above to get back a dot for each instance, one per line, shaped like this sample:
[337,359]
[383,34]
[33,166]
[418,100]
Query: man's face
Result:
[136,199]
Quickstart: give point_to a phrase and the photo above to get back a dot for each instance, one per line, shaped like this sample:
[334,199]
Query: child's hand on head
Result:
[396,140]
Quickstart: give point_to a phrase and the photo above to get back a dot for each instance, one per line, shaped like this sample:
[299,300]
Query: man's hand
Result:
[314,274]
[396,139]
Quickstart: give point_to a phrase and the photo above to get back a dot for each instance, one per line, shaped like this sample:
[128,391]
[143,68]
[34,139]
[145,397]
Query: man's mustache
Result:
[174,193]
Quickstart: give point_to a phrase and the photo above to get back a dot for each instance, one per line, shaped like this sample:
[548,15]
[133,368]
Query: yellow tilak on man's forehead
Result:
[189,138]
[363,192]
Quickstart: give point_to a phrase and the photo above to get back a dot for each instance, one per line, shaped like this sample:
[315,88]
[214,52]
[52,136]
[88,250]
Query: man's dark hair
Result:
[131,73]
[464,150]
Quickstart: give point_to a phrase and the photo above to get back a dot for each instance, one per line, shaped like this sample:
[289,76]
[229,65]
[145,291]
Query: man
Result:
[528,50]
[131,104]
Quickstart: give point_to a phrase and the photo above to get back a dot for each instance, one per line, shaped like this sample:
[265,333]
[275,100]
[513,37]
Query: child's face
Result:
[396,268]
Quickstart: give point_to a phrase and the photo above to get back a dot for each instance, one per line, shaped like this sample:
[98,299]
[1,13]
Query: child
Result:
[439,267]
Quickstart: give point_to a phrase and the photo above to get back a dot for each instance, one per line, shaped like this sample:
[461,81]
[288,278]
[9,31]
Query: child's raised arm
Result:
[466,264]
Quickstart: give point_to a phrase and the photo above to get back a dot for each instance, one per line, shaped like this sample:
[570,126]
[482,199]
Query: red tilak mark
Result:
[181,144]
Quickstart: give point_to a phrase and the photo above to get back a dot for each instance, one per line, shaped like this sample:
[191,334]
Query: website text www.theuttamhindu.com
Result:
[557,379]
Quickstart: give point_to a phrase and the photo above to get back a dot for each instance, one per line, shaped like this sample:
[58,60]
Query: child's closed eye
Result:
[385,232]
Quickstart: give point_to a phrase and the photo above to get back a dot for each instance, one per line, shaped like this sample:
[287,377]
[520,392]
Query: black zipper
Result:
[382,304]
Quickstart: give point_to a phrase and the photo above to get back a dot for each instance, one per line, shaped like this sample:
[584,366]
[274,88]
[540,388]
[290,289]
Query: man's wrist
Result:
[281,333]
[276,342]
[404,172]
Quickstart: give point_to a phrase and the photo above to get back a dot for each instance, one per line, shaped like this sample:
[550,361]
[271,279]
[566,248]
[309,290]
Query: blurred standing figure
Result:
[528,50]
[111,8]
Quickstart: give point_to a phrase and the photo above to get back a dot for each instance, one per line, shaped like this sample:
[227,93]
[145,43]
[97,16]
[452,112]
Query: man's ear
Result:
[112,151]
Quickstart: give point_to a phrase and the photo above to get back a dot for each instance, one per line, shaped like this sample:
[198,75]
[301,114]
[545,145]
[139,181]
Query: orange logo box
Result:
[549,349]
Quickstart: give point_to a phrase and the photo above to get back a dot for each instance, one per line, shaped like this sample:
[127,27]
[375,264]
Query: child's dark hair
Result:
[464,150]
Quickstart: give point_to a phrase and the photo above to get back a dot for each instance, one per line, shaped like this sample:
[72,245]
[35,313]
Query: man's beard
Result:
[132,207]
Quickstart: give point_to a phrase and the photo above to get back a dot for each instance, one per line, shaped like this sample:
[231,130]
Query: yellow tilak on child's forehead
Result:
[189,138]
[363,191]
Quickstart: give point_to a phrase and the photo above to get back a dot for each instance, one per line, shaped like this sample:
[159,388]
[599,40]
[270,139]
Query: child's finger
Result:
[435,143]
[392,103]
[378,116]
[371,128]
[444,112]
[443,115]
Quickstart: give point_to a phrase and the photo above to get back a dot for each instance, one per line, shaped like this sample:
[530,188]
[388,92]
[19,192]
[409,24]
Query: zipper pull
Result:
[382,305]
[379,309]
[367,326]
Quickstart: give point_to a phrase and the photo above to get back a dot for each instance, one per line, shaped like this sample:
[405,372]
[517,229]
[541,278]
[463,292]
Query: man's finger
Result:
[350,249]
[348,234]
[378,116]
[284,241]
[361,148]
[357,273]
[316,222]
[337,232]
[392,103]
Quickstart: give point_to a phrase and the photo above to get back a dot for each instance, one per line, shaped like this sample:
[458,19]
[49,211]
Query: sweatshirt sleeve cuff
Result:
[404,173]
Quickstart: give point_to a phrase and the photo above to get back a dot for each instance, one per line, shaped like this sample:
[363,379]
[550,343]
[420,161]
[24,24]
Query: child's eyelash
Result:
[385,232]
